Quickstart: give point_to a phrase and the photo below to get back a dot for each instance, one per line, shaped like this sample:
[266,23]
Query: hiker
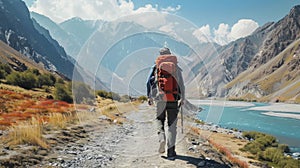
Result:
[165,88]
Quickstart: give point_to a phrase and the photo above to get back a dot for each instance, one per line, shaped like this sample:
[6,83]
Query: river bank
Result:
[278,119]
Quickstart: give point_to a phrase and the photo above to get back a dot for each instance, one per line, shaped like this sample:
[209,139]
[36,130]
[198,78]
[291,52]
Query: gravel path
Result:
[133,144]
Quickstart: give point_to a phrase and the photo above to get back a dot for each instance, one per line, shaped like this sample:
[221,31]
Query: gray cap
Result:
[164,51]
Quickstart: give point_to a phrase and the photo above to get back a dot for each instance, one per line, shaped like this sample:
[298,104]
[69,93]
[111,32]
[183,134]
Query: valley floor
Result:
[104,144]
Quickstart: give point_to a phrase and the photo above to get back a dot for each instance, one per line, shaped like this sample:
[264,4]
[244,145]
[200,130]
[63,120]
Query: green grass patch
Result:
[266,148]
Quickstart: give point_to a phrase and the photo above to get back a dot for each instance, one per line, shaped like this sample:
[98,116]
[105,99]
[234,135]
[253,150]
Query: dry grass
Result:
[115,112]
[225,151]
[19,90]
[83,111]
[83,116]
[25,117]
[112,112]
[16,107]
[58,120]
[297,99]
[228,144]
[195,130]
[27,132]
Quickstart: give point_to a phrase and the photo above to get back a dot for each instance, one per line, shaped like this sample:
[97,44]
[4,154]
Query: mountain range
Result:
[262,66]
[18,30]
[71,34]
[273,71]
[24,34]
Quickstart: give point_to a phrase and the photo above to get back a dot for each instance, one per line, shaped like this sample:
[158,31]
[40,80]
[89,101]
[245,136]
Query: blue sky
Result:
[220,21]
[214,12]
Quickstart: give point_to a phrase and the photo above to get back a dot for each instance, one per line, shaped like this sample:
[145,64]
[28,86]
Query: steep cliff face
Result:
[67,40]
[276,80]
[18,31]
[227,62]
[273,74]
[238,54]
[284,33]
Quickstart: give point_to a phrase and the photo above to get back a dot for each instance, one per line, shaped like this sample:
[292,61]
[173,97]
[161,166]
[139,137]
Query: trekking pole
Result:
[181,111]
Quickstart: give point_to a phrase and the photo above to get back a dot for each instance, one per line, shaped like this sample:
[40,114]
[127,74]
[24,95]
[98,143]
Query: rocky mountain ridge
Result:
[18,31]
[65,39]
[273,72]
[71,34]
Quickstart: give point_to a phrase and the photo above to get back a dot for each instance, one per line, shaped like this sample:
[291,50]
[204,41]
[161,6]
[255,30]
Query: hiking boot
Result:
[172,157]
[171,153]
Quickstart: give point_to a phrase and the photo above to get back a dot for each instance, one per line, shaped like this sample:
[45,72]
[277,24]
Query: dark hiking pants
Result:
[169,111]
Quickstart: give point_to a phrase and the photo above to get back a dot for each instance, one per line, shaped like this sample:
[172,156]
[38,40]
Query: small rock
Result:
[80,135]
[72,152]
[43,152]
[99,157]
[65,133]
[60,159]
[37,157]
[201,163]
[195,143]
[33,161]
[3,153]
[103,117]
[191,148]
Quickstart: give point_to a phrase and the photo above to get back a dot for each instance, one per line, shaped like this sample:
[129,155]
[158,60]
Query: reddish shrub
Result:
[228,154]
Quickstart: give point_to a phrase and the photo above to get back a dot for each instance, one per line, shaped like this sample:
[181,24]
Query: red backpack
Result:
[166,70]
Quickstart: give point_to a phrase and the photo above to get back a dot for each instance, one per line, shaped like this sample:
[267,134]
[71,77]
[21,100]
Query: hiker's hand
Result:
[150,101]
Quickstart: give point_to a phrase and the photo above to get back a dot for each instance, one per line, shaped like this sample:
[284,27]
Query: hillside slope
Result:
[70,43]
[277,80]
[16,60]
[260,66]
[18,31]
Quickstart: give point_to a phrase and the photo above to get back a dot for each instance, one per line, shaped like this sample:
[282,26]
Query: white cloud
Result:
[203,34]
[171,9]
[224,34]
[243,28]
[108,10]
[59,10]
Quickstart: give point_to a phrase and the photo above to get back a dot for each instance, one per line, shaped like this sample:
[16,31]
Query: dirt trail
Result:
[133,144]
[141,149]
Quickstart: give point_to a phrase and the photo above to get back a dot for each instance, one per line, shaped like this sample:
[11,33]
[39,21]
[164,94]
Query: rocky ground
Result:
[102,144]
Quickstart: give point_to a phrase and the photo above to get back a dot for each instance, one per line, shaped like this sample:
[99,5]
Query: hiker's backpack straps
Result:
[166,74]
